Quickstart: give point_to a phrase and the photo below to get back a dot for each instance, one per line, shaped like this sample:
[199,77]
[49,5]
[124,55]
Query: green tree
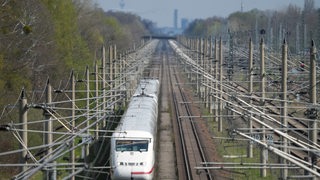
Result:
[72,50]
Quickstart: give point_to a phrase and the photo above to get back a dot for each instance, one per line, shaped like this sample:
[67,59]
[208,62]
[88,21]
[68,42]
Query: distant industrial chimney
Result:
[241,6]
[122,4]
[175,19]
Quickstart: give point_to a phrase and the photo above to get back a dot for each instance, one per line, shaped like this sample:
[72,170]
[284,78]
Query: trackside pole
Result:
[111,69]
[284,68]
[127,79]
[202,60]
[198,62]
[73,124]
[207,64]
[195,57]
[313,125]
[264,151]
[220,108]
[23,112]
[87,146]
[96,73]
[48,174]
[211,72]
[121,76]
[114,65]
[116,78]
[192,55]
[216,84]
[103,85]
[250,89]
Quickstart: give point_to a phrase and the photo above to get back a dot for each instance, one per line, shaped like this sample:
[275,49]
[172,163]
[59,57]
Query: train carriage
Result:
[134,141]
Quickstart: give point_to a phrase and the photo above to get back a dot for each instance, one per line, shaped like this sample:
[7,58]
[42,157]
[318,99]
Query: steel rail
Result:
[182,140]
[194,129]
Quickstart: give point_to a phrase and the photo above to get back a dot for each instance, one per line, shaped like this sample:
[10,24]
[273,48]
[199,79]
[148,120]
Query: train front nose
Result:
[121,173]
[136,173]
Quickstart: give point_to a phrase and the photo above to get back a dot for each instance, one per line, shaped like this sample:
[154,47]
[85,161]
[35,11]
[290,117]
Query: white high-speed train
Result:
[133,144]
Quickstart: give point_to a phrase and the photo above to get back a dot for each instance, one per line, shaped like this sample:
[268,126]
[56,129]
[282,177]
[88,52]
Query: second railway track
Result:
[189,148]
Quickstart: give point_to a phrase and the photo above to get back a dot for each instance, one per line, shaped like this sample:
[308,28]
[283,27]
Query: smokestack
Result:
[175,19]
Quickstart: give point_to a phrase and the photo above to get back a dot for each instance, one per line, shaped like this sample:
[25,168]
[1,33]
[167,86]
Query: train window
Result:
[132,145]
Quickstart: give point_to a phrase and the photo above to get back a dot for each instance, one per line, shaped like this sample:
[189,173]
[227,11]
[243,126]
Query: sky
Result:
[161,11]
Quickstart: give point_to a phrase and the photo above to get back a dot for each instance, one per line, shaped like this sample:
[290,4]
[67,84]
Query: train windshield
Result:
[132,145]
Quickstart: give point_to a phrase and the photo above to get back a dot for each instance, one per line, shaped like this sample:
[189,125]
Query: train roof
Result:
[148,87]
[140,116]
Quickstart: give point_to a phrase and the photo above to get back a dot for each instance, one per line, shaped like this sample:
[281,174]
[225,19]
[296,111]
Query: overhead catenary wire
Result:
[251,109]
[95,116]
[58,153]
[95,112]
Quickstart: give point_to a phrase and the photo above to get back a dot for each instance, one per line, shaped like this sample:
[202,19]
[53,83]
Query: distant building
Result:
[175,19]
[184,23]
[175,30]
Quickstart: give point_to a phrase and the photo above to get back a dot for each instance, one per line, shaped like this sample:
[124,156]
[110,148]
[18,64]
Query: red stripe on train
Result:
[149,172]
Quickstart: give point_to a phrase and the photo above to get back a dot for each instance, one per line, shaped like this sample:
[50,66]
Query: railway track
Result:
[190,145]
[297,126]
[238,88]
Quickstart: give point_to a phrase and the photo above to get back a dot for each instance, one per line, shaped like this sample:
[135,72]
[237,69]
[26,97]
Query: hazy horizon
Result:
[161,11]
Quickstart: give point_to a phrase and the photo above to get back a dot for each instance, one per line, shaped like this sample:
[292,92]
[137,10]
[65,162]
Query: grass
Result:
[239,148]
[231,147]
